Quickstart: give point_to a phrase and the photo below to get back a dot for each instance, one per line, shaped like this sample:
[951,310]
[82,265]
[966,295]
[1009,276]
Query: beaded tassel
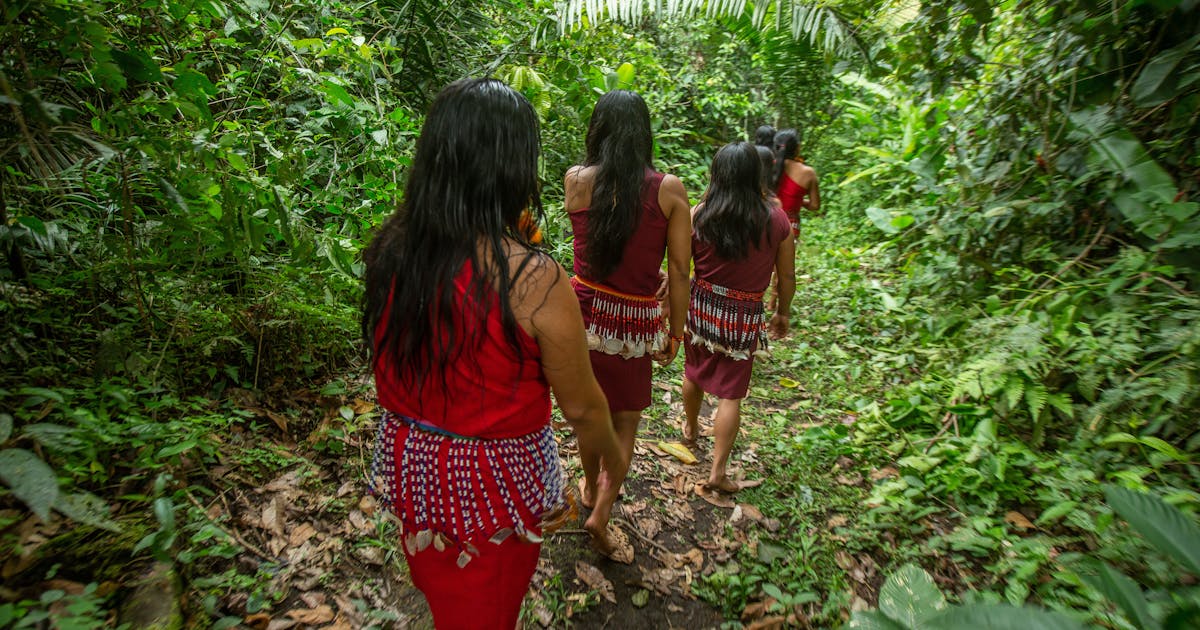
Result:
[626,325]
[726,320]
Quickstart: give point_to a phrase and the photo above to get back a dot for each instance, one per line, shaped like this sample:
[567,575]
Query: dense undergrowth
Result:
[998,312]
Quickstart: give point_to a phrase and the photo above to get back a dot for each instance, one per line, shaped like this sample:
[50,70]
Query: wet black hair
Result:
[473,174]
[764,136]
[787,144]
[735,213]
[620,144]
[766,158]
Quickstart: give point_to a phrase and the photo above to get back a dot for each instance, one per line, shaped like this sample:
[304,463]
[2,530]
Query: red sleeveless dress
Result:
[468,464]
[712,368]
[791,197]
[624,369]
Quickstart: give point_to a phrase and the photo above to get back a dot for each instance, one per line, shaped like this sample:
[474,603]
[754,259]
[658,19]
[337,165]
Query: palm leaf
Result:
[812,21]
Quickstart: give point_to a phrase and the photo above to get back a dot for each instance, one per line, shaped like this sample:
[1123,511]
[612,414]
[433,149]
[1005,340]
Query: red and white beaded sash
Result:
[434,484]
[623,324]
[728,321]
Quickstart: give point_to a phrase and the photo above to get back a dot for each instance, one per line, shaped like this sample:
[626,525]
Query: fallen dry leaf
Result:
[301,534]
[713,497]
[884,473]
[312,616]
[1018,520]
[313,598]
[767,623]
[359,521]
[837,520]
[368,504]
[360,406]
[751,512]
[649,526]
[595,580]
[853,479]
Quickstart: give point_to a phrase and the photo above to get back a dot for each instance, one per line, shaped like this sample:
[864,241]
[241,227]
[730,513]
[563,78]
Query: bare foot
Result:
[609,541]
[586,499]
[690,433]
[724,484]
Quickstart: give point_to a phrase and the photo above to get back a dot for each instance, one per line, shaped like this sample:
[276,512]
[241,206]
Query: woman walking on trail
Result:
[739,237]
[624,215]
[795,182]
[470,328]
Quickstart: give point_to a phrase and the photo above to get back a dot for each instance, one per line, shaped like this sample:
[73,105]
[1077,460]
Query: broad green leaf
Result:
[137,65]
[37,226]
[882,219]
[875,620]
[30,479]
[175,449]
[1055,512]
[625,76]
[1000,617]
[336,93]
[6,427]
[337,30]
[1153,85]
[909,596]
[86,508]
[1120,590]
[1162,524]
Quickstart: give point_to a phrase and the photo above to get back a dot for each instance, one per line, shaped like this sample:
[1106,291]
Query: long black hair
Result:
[766,159]
[787,145]
[764,136]
[735,212]
[474,172]
[620,144]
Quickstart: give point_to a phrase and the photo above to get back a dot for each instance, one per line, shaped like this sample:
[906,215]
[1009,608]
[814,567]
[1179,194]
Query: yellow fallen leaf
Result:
[678,451]
[789,383]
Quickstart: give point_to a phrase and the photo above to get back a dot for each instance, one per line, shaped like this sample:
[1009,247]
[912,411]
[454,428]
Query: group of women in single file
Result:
[471,327]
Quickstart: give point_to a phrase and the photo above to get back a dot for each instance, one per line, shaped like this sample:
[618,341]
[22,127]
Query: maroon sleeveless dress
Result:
[709,364]
[624,322]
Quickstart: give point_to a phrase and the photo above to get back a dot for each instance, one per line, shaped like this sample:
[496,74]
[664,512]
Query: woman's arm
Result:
[672,198]
[785,270]
[545,301]
[813,202]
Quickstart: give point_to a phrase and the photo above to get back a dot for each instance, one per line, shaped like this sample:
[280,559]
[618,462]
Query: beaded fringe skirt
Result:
[449,489]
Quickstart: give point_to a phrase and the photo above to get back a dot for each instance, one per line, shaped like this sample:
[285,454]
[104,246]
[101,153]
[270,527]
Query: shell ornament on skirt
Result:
[622,324]
[727,321]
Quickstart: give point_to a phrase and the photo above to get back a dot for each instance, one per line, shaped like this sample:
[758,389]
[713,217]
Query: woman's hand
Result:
[667,354]
[778,326]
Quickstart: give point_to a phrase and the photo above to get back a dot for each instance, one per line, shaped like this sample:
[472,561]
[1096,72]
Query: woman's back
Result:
[490,392]
[637,272]
[751,274]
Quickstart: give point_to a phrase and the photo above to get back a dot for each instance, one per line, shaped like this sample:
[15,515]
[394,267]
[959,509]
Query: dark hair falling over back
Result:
[620,145]
[474,172]
[735,213]
[787,145]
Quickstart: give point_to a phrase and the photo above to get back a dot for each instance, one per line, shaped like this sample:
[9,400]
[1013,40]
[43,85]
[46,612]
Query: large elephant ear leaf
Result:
[1000,617]
[909,596]
[1170,531]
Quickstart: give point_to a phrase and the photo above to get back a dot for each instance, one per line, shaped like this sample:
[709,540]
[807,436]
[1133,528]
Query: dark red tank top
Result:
[791,195]
[637,274]
[489,392]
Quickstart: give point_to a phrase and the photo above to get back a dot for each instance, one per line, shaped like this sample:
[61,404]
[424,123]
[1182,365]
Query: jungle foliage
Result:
[1010,239]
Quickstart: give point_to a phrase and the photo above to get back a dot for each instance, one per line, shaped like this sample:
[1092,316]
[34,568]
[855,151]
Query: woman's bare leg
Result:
[729,420]
[692,397]
[625,423]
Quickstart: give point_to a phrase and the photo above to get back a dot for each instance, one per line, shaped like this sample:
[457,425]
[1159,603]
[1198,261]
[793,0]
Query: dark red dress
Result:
[468,465]
[624,371]
[716,372]
[791,197]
